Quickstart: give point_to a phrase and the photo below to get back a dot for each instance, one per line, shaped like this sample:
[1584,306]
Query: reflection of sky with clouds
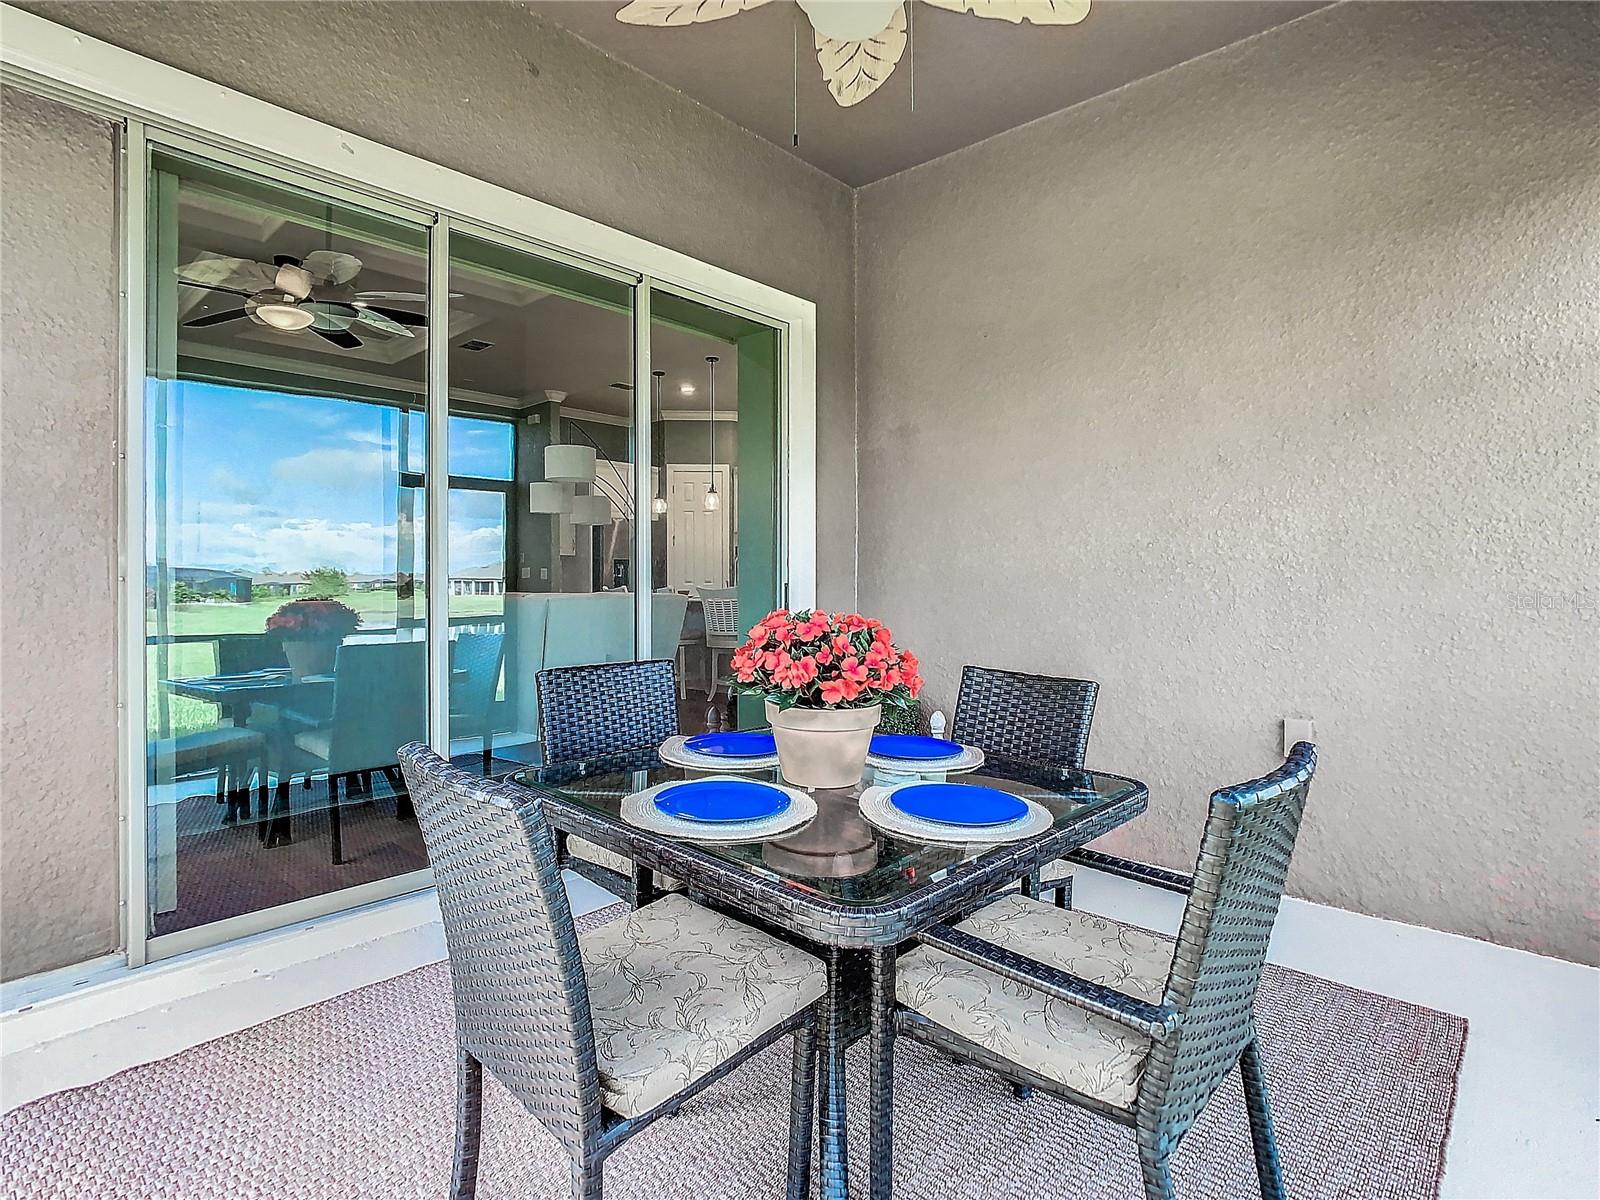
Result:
[262,480]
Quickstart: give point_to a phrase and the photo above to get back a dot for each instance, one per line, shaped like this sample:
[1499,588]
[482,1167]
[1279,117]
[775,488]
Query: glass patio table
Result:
[839,886]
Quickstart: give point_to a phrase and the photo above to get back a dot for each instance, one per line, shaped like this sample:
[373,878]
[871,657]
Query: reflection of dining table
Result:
[235,694]
[307,696]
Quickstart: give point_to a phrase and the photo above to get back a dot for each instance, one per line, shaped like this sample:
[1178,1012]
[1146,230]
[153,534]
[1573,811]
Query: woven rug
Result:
[354,1098]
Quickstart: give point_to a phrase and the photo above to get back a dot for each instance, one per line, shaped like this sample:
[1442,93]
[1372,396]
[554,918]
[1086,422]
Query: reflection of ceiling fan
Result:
[314,292]
[858,41]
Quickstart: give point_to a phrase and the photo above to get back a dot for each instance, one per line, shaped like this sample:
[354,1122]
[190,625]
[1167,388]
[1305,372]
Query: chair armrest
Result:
[1172,881]
[1152,1020]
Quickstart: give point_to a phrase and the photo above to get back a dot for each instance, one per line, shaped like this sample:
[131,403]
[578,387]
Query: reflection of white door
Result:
[699,543]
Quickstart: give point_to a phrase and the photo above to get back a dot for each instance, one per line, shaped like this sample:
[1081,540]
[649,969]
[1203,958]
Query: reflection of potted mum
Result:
[311,631]
[826,680]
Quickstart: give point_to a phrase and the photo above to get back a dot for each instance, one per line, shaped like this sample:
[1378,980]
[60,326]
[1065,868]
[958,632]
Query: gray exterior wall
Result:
[1267,387]
[59,885]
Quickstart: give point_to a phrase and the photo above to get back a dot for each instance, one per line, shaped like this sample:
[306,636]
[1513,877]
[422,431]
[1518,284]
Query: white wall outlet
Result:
[544,573]
[1298,729]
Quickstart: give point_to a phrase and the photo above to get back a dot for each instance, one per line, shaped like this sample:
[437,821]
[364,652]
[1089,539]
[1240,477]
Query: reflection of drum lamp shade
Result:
[549,498]
[569,464]
[591,510]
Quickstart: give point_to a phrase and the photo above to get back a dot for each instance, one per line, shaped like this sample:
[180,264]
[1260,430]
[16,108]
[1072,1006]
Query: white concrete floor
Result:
[1525,1121]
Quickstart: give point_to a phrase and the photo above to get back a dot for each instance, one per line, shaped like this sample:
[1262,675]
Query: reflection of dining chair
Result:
[721,607]
[596,1034]
[587,712]
[232,752]
[475,660]
[691,634]
[1039,718]
[239,653]
[380,702]
[1139,1028]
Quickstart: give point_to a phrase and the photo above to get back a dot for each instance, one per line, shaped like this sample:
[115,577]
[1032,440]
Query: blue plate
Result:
[959,804]
[732,745]
[721,800]
[913,748]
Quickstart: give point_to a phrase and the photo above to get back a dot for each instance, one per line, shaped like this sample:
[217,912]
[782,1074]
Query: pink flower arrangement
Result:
[305,620]
[812,659]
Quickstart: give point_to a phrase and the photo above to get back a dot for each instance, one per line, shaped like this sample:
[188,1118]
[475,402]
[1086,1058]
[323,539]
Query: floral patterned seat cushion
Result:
[676,990]
[1058,1040]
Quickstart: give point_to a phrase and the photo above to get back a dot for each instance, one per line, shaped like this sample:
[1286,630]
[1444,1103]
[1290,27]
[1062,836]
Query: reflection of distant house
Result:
[208,581]
[479,581]
[370,583]
[279,583]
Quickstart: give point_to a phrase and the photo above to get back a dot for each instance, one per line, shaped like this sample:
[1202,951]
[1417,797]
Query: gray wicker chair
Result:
[1034,983]
[604,708]
[592,711]
[1039,718]
[549,1012]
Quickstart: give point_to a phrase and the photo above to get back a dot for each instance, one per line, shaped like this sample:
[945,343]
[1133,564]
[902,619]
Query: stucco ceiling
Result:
[973,78]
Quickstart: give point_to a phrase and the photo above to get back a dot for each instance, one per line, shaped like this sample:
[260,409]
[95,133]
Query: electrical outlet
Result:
[1298,729]
[527,572]
[544,574]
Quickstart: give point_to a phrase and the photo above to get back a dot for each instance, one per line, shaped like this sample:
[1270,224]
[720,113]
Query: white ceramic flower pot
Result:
[822,747]
[310,656]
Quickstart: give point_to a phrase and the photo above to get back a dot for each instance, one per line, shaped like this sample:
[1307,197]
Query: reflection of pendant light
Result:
[569,464]
[658,504]
[712,500]
[591,510]
[549,498]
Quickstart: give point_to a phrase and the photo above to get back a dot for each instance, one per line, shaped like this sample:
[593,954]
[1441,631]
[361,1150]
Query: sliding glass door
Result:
[300,409]
[542,559]
[716,500]
[284,559]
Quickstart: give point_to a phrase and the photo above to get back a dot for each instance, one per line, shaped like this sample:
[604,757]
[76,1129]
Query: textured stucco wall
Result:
[503,95]
[58,422]
[1267,387]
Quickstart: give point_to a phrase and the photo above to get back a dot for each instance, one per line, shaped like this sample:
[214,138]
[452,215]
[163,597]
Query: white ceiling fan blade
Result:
[296,281]
[378,321]
[219,270]
[854,70]
[1040,12]
[331,266]
[410,297]
[849,20]
[682,12]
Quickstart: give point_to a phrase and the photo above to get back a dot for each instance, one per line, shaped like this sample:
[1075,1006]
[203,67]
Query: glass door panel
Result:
[715,502]
[541,501]
[285,617]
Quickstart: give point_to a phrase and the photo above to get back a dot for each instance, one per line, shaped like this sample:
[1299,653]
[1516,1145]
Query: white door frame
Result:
[151,99]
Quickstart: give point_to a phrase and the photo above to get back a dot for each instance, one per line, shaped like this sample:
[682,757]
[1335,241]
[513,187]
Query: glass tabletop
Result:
[839,854]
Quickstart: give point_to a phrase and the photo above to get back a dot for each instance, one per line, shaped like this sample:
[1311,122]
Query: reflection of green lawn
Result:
[377,609]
